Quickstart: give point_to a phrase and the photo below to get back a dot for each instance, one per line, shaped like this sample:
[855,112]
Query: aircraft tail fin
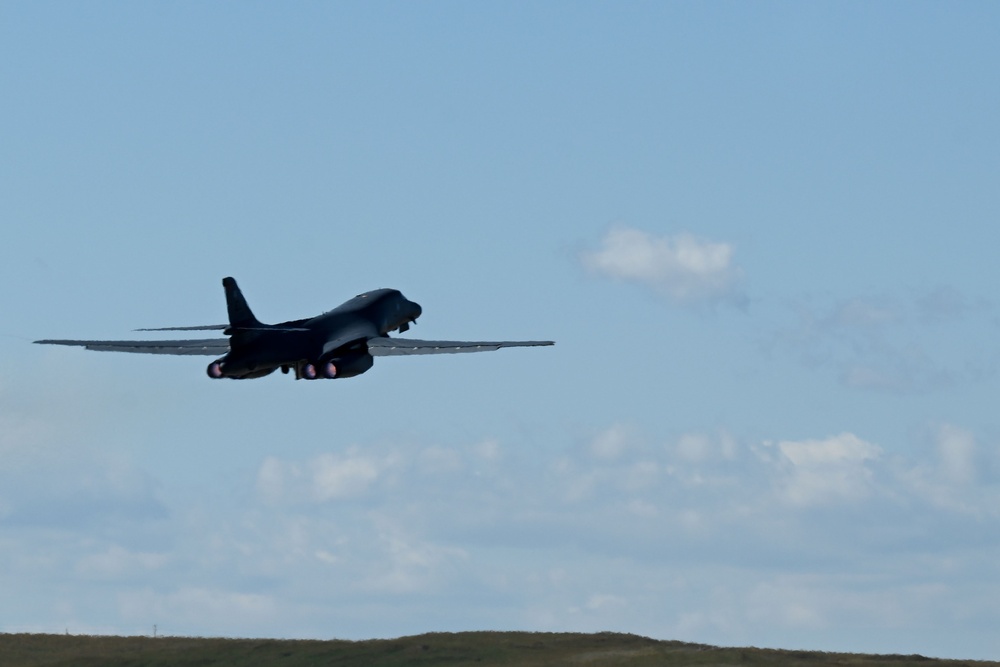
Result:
[240,315]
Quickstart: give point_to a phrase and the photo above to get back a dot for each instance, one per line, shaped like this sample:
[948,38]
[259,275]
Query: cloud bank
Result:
[704,536]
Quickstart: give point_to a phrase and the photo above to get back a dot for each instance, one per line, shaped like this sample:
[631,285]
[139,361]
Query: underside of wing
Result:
[207,346]
[386,347]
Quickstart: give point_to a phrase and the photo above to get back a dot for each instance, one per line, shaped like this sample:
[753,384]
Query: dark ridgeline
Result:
[483,649]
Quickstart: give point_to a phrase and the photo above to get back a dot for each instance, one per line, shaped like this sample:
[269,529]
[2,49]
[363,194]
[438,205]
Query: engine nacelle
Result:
[219,369]
[345,367]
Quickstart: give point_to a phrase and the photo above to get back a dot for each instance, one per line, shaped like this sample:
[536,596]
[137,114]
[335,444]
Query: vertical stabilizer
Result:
[240,315]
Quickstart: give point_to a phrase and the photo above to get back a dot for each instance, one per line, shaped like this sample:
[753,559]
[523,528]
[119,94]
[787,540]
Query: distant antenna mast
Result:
[154,631]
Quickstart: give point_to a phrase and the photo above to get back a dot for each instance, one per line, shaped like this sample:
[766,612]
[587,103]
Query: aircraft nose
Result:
[417,310]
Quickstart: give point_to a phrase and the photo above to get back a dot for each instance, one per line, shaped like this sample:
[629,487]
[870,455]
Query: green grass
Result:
[480,649]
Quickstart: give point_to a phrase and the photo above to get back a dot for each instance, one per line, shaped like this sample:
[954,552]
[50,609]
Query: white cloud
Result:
[271,478]
[326,477]
[340,477]
[959,478]
[693,447]
[405,563]
[611,443]
[827,471]
[957,448]
[488,450]
[845,448]
[683,268]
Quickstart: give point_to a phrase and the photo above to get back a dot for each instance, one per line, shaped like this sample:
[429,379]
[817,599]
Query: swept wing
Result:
[378,346]
[200,327]
[206,346]
[387,347]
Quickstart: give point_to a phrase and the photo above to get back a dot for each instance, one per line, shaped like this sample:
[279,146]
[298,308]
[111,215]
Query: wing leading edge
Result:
[387,347]
[207,346]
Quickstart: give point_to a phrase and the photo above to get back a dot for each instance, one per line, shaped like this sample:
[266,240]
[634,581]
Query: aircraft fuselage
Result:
[329,345]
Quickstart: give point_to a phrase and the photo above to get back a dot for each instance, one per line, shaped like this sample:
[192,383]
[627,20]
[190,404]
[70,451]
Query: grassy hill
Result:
[482,649]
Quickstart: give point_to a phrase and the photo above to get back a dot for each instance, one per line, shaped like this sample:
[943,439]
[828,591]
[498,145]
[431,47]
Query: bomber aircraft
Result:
[340,343]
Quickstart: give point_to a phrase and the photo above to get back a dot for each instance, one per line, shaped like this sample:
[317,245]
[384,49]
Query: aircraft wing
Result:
[208,346]
[200,327]
[387,347]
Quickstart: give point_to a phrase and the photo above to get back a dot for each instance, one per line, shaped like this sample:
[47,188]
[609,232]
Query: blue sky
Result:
[763,236]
